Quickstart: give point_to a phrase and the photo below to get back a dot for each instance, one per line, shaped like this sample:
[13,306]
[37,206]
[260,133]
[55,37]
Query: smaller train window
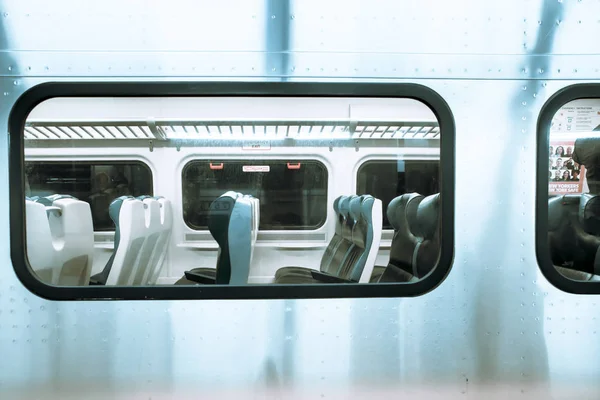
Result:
[387,179]
[292,193]
[97,183]
[568,223]
[246,190]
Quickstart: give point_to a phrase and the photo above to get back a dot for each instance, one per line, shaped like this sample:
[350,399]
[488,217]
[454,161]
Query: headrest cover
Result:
[55,197]
[428,216]
[589,213]
[355,207]
[397,208]
[411,209]
[336,204]
[344,206]
[367,208]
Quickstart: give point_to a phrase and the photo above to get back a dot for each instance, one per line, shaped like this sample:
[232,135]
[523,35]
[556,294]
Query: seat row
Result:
[351,253]
[143,227]
[416,245]
[574,235]
[60,240]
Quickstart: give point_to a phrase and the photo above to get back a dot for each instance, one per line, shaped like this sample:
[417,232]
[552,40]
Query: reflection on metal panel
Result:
[494,327]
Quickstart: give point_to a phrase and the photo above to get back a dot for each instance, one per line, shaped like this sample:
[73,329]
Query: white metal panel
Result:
[495,328]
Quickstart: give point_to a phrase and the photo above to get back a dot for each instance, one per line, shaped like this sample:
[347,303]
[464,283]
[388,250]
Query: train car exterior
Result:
[499,316]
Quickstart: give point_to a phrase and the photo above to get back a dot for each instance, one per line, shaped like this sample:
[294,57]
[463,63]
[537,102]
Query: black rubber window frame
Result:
[107,162]
[37,94]
[542,248]
[285,228]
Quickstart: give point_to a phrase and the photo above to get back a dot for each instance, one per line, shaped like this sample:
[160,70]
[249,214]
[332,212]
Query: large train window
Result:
[568,223]
[388,179]
[292,193]
[97,183]
[246,190]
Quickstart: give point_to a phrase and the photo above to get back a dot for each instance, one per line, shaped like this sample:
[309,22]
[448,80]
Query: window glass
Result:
[574,190]
[292,194]
[96,183]
[251,191]
[387,179]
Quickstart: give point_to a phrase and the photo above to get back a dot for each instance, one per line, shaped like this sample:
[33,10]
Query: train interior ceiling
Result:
[194,191]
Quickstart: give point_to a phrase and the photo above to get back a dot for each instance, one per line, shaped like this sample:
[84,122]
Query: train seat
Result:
[158,232]
[233,223]
[415,245]
[354,257]
[255,207]
[574,235]
[368,237]
[337,249]
[165,222]
[142,230]
[60,239]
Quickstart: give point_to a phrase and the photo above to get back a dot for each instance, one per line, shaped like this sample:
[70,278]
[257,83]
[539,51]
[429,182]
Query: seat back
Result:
[255,207]
[337,236]
[129,217]
[342,251]
[426,228]
[233,222]
[242,237]
[160,255]
[359,263]
[415,248]
[143,228]
[60,239]
[367,235]
[574,232]
[158,233]
[219,215]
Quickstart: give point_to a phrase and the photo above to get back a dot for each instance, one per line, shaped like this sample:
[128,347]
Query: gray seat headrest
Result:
[396,210]
[428,216]
[589,213]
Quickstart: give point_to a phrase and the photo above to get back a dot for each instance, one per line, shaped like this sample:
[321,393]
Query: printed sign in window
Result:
[564,174]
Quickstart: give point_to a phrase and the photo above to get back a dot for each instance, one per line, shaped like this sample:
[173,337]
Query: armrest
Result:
[395,274]
[327,278]
[200,278]
[96,280]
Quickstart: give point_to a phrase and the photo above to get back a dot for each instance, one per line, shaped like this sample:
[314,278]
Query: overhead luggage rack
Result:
[238,129]
[82,130]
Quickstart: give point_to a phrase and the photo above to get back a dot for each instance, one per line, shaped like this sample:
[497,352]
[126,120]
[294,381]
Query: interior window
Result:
[387,179]
[292,194]
[95,183]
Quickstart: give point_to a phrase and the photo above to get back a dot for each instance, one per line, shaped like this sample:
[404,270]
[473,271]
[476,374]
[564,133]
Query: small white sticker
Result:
[257,145]
[256,168]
